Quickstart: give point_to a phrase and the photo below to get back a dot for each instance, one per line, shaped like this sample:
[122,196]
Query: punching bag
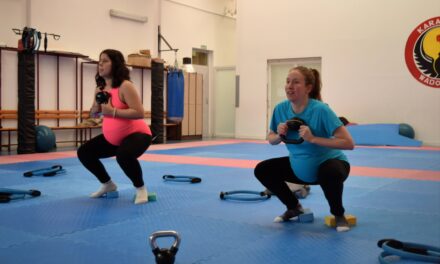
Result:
[157,101]
[26,103]
[175,97]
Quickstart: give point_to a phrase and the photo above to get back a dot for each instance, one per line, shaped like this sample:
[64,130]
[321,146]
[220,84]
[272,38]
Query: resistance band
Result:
[407,250]
[47,172]
[6,195]
[244,195]
[175,178]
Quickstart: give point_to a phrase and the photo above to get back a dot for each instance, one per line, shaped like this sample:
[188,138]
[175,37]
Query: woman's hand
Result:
[341,138]
[306,133]
[107,109]
[282,129]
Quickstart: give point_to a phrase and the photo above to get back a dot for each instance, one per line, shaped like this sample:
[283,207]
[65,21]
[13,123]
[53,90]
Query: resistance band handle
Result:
[5,198]
[164,233]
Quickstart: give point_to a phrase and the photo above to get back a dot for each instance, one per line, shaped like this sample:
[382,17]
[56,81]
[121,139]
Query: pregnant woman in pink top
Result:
[125,133]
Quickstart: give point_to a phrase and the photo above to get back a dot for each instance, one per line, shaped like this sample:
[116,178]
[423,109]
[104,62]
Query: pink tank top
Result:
[116,129]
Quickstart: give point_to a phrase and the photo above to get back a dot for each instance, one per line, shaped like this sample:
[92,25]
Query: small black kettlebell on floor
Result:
[293,125]
[165,255]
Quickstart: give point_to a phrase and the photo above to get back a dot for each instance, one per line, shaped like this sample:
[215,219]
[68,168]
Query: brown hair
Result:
[311,76]
[119,73]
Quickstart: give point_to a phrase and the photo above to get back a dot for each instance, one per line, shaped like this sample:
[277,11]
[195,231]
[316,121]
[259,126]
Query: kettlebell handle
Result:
[165,233]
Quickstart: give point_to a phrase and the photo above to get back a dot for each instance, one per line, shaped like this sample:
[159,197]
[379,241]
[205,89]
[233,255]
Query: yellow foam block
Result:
[331,222]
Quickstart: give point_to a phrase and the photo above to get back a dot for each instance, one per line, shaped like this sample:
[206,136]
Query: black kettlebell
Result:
[293,125]
[165,255]
[102,97]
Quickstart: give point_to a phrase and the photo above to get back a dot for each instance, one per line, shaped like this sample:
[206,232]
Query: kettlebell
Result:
[293,125]
[102,97]
[165,255]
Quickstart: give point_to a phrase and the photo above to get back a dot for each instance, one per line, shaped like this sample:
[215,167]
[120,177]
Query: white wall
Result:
[12,15]
[361,43]
[87,28]
[188,24]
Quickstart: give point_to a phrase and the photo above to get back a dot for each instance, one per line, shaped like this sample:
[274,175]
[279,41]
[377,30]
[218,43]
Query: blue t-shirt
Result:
[306,157]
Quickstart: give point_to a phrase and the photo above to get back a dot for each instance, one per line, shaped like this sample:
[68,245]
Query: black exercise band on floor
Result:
[244,195]
[47,172]
[182,178]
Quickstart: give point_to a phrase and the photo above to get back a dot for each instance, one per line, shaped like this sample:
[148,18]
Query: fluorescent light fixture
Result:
[121,14]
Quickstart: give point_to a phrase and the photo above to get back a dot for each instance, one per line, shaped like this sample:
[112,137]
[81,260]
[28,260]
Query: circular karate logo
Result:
[422,52]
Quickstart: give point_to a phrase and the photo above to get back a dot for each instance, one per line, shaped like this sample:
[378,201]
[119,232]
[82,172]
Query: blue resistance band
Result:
[47,172]
[6,195]
[244,195]
[175,178]
[406,250]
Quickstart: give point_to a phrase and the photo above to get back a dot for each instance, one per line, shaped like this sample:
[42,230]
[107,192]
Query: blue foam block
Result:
[110,195]
[380,135]
[307,217]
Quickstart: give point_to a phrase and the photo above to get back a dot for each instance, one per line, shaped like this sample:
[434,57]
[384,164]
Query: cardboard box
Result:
[139,60]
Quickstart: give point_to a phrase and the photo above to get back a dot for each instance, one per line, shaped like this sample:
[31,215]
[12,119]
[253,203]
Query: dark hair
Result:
[119,72]
[344,120]
[311,76]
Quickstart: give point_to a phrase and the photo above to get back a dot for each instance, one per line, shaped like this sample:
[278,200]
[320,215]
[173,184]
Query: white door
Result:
[224,102]
[277,73]
[204,70]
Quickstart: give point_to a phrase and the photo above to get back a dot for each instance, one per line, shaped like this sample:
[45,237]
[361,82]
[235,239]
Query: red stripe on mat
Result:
[355,170]
[427,175]
[37,157]
[200,161]
[68,154]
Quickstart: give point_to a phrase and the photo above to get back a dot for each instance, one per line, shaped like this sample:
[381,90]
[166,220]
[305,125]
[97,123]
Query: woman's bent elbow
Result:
[350,145]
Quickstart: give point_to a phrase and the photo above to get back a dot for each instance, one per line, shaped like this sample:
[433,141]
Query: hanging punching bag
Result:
[26,103]
[157,101]
[175,94]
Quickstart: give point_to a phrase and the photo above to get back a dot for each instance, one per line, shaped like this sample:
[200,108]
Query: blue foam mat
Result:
[65,226]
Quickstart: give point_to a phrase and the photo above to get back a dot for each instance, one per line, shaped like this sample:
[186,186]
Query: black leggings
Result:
[273,173]
[126,154]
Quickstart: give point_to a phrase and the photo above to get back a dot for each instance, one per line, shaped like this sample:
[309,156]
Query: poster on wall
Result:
[422,52]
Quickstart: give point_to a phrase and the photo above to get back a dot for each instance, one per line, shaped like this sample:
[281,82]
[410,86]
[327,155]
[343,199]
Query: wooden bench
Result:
[82,132]
[57,115]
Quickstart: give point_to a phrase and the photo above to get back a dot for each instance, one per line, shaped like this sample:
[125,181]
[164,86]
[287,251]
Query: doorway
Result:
[224,102]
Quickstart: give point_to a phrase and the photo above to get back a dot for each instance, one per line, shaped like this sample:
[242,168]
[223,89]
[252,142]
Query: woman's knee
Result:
[258,169]
[332,170]
[261,169]
[125,157]
[81,152]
